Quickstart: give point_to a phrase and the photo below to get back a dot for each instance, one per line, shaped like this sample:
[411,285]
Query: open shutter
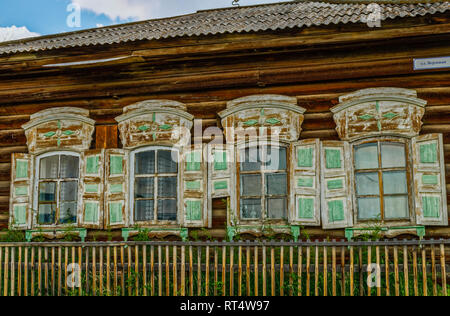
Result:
[429,180]
[116,190]
[305,184]
[221,173]
[195,188]
[90,213]
[21,198]
[337,193]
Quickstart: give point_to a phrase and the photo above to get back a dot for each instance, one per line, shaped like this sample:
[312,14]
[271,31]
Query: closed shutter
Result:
[195,188]
[92,188]
[116,189]
[337,192]
[305,183]
[429,180]
[21,197]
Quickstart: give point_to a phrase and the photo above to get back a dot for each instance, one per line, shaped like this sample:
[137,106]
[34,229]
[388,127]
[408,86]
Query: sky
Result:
[27,18]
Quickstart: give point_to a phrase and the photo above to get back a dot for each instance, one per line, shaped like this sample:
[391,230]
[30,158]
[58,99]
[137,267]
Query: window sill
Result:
[159,232]
[56,233]
[263,230]
[389,232]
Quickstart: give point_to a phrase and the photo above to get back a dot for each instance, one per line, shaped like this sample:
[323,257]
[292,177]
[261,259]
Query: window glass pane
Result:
[70,167]
[393,155]
[276,184]
[367,184]
[47,191]
[167,187]
[68,213]
[396,207]
[144,210]
[251,159]
[144,188]
[395,182]
[276,158]
[167,210]
[251,185]
[276,208]
[166,164]
[47,214]
[49,167]
[69,191]
[369,208]
[251,208]
[366,156]
[145,162]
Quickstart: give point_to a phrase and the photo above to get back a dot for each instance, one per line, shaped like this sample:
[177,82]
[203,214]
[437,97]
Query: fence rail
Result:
[310,268]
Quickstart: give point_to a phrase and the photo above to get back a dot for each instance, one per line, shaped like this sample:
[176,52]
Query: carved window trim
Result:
[37,181]
[132,177]
[409,175]
[264,219]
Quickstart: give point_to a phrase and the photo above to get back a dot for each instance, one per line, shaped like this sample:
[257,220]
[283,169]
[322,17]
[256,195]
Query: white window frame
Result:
[132,183]
[37,167]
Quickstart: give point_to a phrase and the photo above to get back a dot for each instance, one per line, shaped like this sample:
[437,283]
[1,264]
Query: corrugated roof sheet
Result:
[275,16]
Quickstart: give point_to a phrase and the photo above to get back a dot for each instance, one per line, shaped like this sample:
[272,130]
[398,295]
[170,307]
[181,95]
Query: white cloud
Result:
[121,9]
[150,9]
[11,33]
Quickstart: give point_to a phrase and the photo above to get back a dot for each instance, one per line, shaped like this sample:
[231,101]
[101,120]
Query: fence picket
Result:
[39,269]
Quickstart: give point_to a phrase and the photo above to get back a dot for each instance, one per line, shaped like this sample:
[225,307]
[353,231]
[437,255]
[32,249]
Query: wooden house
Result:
[168,126]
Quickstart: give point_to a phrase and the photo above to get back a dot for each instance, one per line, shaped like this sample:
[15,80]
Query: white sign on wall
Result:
[431,63]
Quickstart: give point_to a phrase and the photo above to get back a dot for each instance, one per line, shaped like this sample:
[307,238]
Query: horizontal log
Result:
[12,138]
[437,109]
[326,134]
[436,128]
[5,152]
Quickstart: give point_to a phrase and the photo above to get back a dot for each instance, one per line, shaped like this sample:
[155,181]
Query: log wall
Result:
[316,65]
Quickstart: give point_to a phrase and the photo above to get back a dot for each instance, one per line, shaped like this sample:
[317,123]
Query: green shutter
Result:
[193,185]
[429,173]
[305,157]
[116,188]
[20,215]
[336,211]
[92,164]
[193,161]
[306,208]
[92,188]
[21,191]
[431,206]
[194,210]
[333,159]
[430,179]
[21,169]
[220,185]
[335,184]
[305,182]
[220,161]
[428,153]
[116,165]
[91,212]
[115,213]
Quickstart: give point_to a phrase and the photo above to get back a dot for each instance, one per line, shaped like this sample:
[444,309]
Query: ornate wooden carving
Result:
[59,129]
[263,116]
[379,111]
[155,122]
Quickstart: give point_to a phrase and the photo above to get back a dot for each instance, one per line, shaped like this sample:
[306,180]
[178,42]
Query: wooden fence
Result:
[336,268]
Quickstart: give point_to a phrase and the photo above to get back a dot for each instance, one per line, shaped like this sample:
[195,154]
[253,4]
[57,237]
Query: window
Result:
[155,188]
[57,187]
[263,183]
[381,180]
